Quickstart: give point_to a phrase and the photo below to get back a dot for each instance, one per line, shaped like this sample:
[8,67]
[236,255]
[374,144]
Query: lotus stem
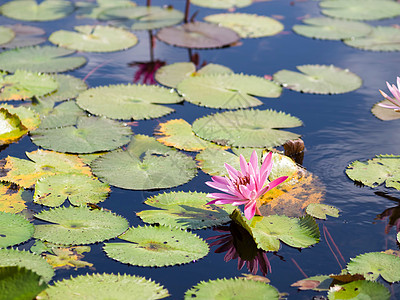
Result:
[187,11]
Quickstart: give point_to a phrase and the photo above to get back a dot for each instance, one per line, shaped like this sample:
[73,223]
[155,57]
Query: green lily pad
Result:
[157,246]
[381,38]
[14,229]
[319,79]
[42,163]
[374,172]
[89,135]
[105,286]
[20,283]
[186,210]
[29,118]
[128,101]
[222,4]
[94,38]
[69,87]
[373,264]
[247,25]
[11,128]
[234,289]
[25,36]
[78,225]
[30,10]
[143,17]
[247,128]
[198,35]
[25,259]
[319,210]
[360,289]
[385,114]
[65,114]
[78,189]
[171,75]
[145,164]
[6,35]
[12,198]
[361,10]
[178,133]
[94,10]
[23,84]
[295,232]
[332,29]
[47,59]
[227,90]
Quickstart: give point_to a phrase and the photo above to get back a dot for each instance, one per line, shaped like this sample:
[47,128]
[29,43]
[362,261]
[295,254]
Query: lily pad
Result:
[332,29]
[89,135]
[25,259]
[361,10]
[20,283]
[373,264]
[295,232]
[247,128]
[315,283]
[11,128]
[23,84]
[105,286]
[6,35]
[318,210]
[198,35]
[78,225]
[69,87]
[247,25]
[64,114]
[186,210]
[374,172]
[128,101]
[227,90]
[30,10]
[78,189]
[28,117]
[222,4]
[142,17]
[47,59]
[171,75]
[94,10]
[385,114]
[14,229]
[234,288]
[381,38]
[178,133]
[145,164]
[25,36]
[42,163]
[360,289]
[157,246]
[66,258]
[319,79]
[11,198]
[94,38]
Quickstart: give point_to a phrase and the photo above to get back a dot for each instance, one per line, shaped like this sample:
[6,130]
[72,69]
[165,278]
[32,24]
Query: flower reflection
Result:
[396,96]
[239,244]
[146,71]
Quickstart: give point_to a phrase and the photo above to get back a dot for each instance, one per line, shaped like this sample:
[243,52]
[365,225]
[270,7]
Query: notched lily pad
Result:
[234,288]
[185,210]
[14,229]
[319,79]
[319,210]
[247,128]
[105,286]
[78,225]
[227,90]
[374,172]
[247,25]
[157,246]
[198,35]
[94,38]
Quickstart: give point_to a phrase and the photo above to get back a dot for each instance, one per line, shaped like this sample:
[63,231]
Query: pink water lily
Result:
[396,96]
[245,186]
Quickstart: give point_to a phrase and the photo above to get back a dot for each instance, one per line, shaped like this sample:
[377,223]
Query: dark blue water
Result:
[337,130]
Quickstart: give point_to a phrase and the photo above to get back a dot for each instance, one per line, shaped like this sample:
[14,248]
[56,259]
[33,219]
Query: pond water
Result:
[338,129]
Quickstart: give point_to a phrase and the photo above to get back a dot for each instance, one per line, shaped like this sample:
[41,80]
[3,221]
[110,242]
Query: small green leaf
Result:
[78,225]
[14,229]
[318,210]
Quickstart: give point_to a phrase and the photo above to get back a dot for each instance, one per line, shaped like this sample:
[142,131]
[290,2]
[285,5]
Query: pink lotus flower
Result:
[396,96]
[245,186]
